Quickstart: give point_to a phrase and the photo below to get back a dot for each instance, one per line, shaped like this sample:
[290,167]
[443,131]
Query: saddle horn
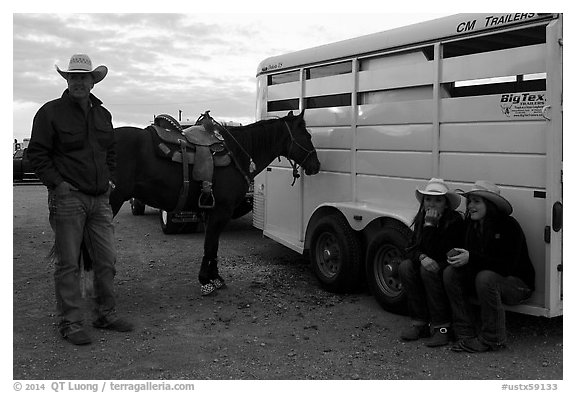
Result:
[206,121]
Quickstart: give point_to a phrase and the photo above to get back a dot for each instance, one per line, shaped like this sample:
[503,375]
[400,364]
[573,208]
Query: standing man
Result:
[72,152]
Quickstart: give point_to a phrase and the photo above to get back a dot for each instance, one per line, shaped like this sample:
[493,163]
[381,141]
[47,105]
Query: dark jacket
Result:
[67,144]
[435,242]
[502,249]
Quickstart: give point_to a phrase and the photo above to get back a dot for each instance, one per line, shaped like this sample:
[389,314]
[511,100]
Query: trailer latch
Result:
[557,216]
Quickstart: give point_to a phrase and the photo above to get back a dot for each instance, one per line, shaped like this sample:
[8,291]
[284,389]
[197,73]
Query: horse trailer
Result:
[463,98]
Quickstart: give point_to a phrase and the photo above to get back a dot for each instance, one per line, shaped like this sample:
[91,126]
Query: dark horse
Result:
[157,182]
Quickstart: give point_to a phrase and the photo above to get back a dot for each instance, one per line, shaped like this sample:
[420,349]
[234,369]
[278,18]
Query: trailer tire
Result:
[170,228]
[137,207]
[383,256]
[335,254]
[241,210]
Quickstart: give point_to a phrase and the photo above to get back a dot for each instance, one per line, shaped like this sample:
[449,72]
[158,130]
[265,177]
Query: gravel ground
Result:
[273,321]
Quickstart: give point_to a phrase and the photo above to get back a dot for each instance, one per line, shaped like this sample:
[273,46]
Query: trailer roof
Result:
[429,31]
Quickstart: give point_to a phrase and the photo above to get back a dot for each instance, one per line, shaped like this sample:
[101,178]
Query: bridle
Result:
[294,142]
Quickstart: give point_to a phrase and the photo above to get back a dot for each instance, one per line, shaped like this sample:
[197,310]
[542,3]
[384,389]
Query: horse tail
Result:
[87,275]
[84,256]
[52,254]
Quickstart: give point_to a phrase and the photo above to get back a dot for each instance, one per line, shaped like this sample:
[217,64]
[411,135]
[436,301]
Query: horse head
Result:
[300,148]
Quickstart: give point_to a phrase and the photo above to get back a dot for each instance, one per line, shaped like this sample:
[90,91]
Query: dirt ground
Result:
[273,321]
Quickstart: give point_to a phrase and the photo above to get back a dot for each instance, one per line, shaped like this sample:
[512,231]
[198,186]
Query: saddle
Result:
[200,146]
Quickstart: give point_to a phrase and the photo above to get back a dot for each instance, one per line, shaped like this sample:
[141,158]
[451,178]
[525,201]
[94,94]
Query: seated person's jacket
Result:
[435,242]
[501,249]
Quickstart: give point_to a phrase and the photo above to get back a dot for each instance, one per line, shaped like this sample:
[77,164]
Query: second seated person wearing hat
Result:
[493,264]
[438,228]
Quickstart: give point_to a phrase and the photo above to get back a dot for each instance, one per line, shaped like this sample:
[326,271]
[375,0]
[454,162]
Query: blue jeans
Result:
[75,217]
[427,300]
[493,291]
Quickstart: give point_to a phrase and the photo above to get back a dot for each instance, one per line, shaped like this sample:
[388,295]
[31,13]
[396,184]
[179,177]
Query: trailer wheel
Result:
[244,208]
[385,252]
[335,254]
[190,227]
[137,207]
[170,228]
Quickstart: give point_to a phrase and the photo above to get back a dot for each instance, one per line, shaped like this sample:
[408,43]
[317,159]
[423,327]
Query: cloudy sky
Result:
[163,63]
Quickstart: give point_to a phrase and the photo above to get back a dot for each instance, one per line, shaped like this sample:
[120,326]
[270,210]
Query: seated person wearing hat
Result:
[493,264]
[438,228]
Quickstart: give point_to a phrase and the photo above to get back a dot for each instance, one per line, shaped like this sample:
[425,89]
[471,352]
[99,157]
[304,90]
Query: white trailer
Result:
[464,98]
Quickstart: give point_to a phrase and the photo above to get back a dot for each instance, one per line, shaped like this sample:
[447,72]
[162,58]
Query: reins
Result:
[246,177]
[295,172]
[293,164]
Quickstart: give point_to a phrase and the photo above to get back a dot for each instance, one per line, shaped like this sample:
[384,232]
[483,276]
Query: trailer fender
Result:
[358,215]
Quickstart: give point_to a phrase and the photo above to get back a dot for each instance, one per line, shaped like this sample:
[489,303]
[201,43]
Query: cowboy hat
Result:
[80,63]
[437,187]
[491,192]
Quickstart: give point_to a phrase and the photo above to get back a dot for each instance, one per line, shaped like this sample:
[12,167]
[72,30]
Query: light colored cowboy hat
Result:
[491,192]
[437,187]
[80,63]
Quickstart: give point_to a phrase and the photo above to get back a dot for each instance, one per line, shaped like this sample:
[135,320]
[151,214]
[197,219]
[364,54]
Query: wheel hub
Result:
[330,255]
[387,274]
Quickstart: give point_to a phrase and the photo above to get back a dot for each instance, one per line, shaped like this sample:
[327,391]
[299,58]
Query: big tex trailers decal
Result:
[522,105]
[486,21]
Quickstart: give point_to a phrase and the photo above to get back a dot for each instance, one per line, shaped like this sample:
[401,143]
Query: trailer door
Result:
[283,206]
[553,114]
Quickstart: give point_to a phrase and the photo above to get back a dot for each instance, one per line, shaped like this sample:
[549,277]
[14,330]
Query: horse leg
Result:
[209,277]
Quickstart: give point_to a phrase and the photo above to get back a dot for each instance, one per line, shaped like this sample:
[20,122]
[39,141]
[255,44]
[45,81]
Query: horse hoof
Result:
[207,289]
[218,283]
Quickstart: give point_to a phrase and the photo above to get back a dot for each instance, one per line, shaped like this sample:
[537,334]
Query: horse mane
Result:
[258,124]
[259,139]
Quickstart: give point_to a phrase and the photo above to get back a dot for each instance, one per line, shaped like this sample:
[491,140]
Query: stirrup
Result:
[212,202]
